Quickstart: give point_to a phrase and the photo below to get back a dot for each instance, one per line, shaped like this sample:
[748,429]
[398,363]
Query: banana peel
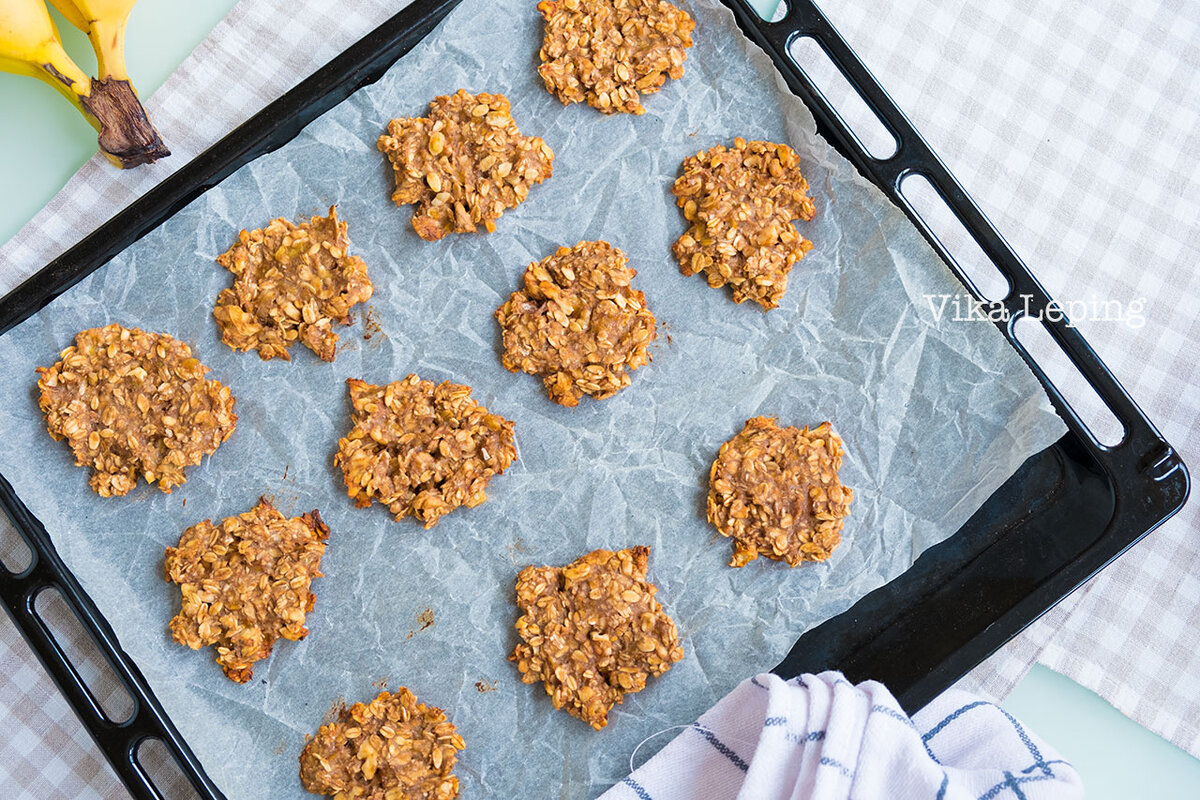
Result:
[104,23]
[30,45]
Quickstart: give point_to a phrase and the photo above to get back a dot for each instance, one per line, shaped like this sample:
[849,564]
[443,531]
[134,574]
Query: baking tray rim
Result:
[1160,462]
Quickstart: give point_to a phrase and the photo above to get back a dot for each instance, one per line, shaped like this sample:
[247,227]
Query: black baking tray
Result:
[1064,515]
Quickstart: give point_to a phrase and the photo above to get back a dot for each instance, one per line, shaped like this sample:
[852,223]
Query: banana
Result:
[104,23]
[30,45]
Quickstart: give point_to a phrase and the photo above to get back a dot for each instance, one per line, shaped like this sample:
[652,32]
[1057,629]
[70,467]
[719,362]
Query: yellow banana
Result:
[30,45]
[104,23]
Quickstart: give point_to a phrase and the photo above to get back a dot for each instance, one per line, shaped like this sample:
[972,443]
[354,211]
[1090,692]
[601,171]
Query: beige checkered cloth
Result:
[1073,124]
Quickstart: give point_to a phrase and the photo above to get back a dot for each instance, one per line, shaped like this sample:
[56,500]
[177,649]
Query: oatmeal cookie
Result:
[740,203]
[578,323]
[290,282]
[422,449]
[133,403]
[245,583]
[592,631]
[776,492]
[608,52]
[464,164]
[392,748]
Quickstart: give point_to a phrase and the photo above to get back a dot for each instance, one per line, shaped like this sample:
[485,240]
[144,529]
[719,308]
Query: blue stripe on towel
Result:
[721,747]
[941,795]
[893,713]
[1012,782]
[637,788]
[811,736]
[936,729]
[826,761]
[1039,762]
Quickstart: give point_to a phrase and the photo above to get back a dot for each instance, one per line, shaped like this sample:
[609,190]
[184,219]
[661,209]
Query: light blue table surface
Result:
[46,142]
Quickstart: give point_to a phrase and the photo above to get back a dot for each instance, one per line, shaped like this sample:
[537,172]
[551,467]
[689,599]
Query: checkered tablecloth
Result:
[1075,127]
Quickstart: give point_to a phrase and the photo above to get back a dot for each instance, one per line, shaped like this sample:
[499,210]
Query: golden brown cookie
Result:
[464,164]
[776,492]
[592,631]
[578,323]
[133,403]
[422,449]
[290,282]
[245,583]
[608,52]
[392,748]
[740,202]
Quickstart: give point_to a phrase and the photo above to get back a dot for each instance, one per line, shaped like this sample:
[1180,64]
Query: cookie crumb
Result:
[371,326]
[331,713]
[516,547]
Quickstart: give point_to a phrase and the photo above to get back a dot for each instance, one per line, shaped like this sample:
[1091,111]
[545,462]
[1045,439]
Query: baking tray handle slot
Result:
[16,555]
[1075,395]
[950,238]
[146,718]
[156,764]
[875,139]
[90,670]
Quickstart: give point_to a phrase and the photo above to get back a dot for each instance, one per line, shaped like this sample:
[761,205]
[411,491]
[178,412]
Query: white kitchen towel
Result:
[819,737]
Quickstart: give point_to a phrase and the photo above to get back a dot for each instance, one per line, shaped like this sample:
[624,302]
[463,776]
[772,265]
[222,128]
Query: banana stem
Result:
[108,40]
[126,135]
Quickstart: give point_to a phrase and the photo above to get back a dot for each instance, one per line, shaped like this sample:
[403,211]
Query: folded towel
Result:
[819,737]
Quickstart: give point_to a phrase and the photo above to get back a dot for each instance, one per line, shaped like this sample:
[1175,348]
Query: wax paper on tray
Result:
[935,416]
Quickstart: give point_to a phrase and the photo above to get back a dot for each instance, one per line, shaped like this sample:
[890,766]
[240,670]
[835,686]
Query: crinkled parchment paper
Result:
[934,416]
